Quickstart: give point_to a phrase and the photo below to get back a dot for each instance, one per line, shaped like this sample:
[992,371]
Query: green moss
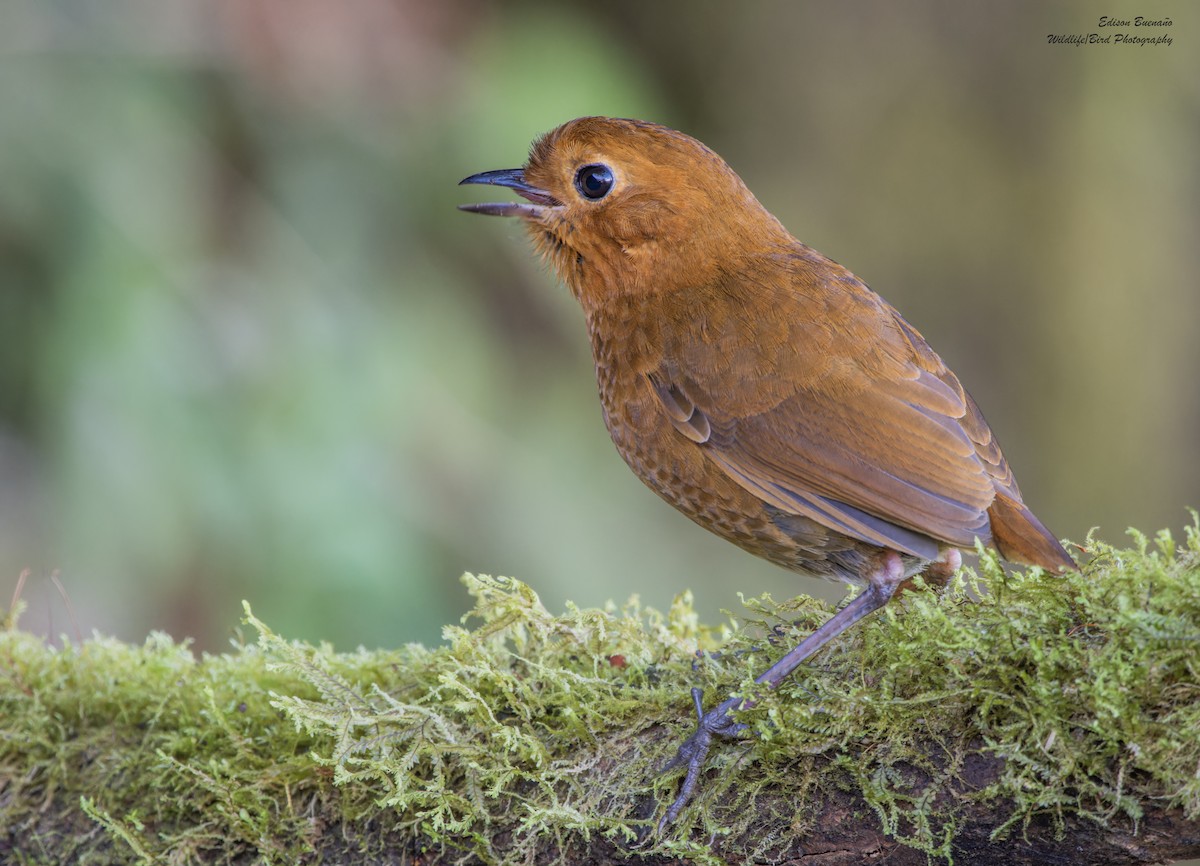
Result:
[526,726]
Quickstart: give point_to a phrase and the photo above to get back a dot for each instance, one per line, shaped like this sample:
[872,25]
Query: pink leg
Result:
[942,569]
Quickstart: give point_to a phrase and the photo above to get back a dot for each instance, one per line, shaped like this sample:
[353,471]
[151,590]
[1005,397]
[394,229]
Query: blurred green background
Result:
[249,349]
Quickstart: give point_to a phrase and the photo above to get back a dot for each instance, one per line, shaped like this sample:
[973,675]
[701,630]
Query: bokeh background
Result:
[250,350]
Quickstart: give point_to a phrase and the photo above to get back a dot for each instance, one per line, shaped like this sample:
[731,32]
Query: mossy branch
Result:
[1016,718]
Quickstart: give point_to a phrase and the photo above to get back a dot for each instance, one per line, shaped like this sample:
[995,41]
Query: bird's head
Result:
[627,207]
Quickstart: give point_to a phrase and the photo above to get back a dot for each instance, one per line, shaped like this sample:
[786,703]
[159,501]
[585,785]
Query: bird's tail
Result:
[1021,537]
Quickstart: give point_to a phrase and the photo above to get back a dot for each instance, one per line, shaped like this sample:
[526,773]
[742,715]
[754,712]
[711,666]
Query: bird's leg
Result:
[939,572]
[936,574]
[717,722]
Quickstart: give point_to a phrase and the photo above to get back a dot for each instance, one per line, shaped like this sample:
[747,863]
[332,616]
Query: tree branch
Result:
[1016,719]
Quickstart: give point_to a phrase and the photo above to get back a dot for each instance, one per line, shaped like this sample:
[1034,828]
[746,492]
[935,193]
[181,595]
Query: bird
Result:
[759,387]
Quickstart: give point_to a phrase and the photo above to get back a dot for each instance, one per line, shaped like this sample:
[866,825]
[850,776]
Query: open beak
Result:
[514,179]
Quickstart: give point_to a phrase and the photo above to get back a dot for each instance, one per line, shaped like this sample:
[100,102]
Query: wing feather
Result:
[890,450]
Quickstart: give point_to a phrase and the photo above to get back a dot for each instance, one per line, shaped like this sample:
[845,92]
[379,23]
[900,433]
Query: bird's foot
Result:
[692,753]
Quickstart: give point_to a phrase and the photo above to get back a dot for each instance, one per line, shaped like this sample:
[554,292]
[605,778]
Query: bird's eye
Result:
[594,181]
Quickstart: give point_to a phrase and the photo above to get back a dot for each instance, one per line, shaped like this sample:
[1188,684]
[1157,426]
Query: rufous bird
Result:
[759,387]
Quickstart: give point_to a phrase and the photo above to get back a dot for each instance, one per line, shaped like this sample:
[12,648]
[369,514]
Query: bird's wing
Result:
[900,457]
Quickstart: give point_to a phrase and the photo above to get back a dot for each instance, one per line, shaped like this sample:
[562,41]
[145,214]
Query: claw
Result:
[715,723]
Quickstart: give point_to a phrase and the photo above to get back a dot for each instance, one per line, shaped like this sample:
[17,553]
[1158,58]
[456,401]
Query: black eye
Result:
[594,181]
